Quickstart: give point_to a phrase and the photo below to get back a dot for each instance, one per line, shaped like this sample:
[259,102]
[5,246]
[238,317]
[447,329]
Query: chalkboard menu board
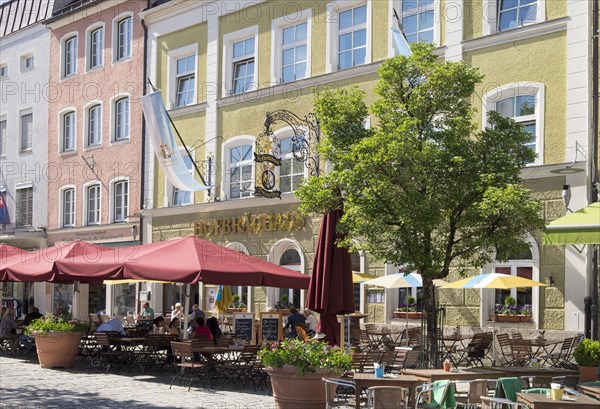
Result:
[243,326]
[270,327]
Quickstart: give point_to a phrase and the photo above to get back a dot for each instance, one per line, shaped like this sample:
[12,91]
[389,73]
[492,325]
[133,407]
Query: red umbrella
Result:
[39,265]
[9,255]
[330,291]
[188,260]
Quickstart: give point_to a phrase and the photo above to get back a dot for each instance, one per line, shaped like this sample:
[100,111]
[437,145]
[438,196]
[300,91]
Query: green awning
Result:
[580,227]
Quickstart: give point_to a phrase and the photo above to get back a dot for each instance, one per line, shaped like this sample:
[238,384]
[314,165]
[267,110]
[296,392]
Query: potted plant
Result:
[236,305]
[525,313]
[56,340]
[296,369]
[507,312]
[283,305]
[409,310]
[587,356]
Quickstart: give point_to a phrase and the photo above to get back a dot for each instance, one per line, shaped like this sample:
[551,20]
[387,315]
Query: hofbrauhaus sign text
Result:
[250,223]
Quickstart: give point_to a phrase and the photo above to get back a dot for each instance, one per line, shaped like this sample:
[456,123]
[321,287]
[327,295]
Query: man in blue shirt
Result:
[292,320]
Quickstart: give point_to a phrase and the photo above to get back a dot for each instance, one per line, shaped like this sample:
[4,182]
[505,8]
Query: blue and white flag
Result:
[4,216]
[401,46]
[158,127]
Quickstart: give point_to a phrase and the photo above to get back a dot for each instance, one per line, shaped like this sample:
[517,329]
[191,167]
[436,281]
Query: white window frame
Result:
[3,133]
[113,119]
[22,114]
[488,295]
[115,37]
[536,89]
[61,206]
[18,187]
[491,12]
[86,124]
[277,27]
[113,201]
[86,203]
[88,46]
[226,179]
[332,44]
[240,288]
[24,62]
[436,18]
[173,56]
[3,71]
[275,254]
[281,134]
[63,54]
[62,115]
[170,189]
[228,41]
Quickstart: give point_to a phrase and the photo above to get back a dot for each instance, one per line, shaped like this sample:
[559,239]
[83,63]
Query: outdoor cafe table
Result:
[592,390]
[527,371]
[379,336]
[540,401]
[539,346]
[366,380]
[452,342]
[432,375]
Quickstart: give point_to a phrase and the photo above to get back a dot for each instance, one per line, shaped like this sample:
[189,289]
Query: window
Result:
[3,71]
[520,265]
[418,20]
[70,57]
[291,171]
[291,259]
[94,125]
[294,52]
[68,132]
[93,204]
[24,207]
[523,102]
[96,48]
[241,166]
[68,206]
[186,68]
[183,197]
[352,37]
[26,62]
[121,201]
[243,66]
[122,119]
[26,131]
[516,13]
[3,137]
[124,28]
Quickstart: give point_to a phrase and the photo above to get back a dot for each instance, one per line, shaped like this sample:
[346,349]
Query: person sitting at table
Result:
[177,312]
[25,340]
[200,329]
[147,312]
[158,325]
[311,321]
[112,325]
[292,320]
[196,313]
[213,325]
[175,327]
[8,328]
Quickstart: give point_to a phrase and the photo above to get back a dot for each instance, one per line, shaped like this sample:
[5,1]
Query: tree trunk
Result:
[431,340]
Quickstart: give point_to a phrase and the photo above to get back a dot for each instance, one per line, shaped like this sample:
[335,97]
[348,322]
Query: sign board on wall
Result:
[250,223]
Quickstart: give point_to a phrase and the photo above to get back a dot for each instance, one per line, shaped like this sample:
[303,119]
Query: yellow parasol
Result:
[224,298]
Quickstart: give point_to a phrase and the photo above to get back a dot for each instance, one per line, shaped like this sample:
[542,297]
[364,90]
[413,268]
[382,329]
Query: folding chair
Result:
[521,353]
[504,347]
[301,333]
[184,353]
[387,397]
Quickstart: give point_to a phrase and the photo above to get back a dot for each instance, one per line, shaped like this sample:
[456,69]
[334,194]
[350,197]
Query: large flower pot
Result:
[291,390]
[57,349]
[588,373]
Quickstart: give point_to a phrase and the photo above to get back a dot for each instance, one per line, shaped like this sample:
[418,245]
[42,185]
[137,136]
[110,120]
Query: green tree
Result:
[423,188]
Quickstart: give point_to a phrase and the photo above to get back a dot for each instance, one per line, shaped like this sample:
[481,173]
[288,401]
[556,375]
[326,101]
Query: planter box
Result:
[232,310]
[511,318]
[411,315]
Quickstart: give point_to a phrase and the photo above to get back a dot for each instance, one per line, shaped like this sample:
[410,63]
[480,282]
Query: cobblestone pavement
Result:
[25,385]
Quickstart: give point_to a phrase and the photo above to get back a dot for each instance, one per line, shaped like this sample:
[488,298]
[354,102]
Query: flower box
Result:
[232,310]
[411,315]
[511,318]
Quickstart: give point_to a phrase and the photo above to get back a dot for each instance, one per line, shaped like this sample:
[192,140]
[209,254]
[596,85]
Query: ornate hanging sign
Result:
[306,132]
[250,223]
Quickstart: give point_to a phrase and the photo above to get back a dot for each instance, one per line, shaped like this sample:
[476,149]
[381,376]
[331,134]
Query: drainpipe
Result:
[143,153]
[593,166]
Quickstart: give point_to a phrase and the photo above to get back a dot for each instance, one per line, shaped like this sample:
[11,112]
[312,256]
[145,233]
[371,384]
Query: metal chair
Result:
[476,390]
[335,396]
[387,397]
[426,392]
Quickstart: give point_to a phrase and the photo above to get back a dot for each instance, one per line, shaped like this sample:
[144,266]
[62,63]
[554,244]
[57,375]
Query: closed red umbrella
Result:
[330,291]
[39,265]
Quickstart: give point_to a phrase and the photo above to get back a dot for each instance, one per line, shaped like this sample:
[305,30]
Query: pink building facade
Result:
[95,128]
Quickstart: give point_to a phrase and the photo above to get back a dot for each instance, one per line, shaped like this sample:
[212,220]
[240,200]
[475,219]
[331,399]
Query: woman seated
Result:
[200,329]
[174,327]
[213,325]
[158,325]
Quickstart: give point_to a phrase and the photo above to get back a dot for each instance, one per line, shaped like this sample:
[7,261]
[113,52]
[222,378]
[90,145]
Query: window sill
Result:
[68,153]
[120,142]
[92,147]
[24,151]
[121,61]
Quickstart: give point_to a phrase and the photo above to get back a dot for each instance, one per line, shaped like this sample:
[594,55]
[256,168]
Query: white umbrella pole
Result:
[186,309]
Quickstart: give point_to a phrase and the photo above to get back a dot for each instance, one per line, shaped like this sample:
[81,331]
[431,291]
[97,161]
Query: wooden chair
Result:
[110,354]
[364,361]
[184,353]
[301,333]
[246,368]
[360,340]
[521,353]
[387,397]
[414,337]
[504,344]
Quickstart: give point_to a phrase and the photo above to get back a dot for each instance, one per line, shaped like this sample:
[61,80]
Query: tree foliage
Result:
[423,188]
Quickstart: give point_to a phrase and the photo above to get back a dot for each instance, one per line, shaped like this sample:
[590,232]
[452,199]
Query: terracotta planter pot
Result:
[588,373]
[232,310]
[411,315]
[57,349]
[525,318]
[506,318]
[290,390]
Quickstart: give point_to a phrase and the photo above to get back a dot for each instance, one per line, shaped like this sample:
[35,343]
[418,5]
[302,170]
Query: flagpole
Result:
[182,142]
